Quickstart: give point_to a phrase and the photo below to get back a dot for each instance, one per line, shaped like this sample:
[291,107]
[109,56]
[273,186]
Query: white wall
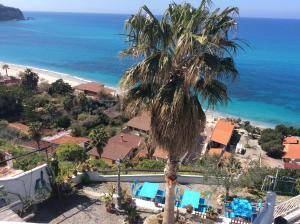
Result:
[25,184]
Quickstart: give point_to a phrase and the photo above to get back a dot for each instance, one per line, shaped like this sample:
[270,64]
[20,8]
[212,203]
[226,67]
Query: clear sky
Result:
[248,8]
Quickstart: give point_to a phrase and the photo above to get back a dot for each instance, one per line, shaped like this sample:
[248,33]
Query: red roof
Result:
[93,152]
[160,153]
[291,166]
[94,88]
[67,139]
[141,122]
[119,146]
[20,127]
[43,144]
[222,132]
[291,140]
[292,151]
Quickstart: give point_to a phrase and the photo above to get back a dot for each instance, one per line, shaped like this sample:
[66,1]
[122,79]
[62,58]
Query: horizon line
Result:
[126,14]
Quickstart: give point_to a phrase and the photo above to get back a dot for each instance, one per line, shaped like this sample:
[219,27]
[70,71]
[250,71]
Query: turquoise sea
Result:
[88,45]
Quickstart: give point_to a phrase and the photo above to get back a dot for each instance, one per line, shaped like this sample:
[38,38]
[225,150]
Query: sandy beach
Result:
[44,74]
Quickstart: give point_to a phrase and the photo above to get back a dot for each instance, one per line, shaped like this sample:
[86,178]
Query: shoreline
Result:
[51,76]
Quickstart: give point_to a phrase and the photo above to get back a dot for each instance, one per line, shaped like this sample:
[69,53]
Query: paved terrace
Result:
[85,206]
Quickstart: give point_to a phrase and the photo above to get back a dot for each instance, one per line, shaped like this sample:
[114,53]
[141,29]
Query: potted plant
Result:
[212,214]
[108,201]
[189,209]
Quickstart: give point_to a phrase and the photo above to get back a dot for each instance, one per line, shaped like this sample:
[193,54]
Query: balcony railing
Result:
[287,207]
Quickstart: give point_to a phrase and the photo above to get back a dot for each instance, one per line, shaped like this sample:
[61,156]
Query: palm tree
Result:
[5,67]
[99,138]
[185,59]
[35,132]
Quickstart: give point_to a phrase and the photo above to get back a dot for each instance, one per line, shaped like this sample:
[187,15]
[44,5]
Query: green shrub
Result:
[78,131]
[23,163]
[150,164]
[70,152]
[63,122]
[99,163]
[60,87]
[271,142]
[66,168]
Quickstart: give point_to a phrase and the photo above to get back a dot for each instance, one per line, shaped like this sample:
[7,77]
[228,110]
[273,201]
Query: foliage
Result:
[60,87]
[99,163]
[298,185]
[24,163]
[252,130]
[44,86]
[8,133]
[71,153]
[78,131]
[271,142]
[5,67]
[68,102]
[35,132]
[286,131]
[63,122]
[185,58]
[99,138]
[29,80]
[150,164]
[10,101]
[255,176]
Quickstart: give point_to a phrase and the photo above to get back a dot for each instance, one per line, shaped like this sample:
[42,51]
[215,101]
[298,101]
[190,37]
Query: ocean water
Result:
[88,46]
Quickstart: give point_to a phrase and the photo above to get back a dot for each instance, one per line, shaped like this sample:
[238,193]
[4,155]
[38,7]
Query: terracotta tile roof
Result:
[219,152]
[94,88]
[93,152]
[24,129]
[292,151]
[291,166]
[68,139]
[43,144]
[116,148]
[222,132]
[291,140]
[141,122]
[160,153]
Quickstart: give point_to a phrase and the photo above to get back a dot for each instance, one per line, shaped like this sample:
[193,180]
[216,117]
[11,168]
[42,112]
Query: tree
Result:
[71,153]
[5,67]
[63,122]
[35,132]
[29,80]
[99,138]
[186,58]
[10,101]
[60,87]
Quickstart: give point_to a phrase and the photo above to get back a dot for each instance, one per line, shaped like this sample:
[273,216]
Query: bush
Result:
[29,80]
[24,163]
[99,163]
[66,168]
[151,164]
[271,142]
[63,122]
[60,87]
[78,131]
[70,152]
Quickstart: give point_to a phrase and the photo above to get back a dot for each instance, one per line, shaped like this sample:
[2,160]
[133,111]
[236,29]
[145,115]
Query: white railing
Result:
[287,206]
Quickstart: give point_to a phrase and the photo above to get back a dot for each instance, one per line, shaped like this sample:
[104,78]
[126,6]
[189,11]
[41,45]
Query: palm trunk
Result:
[170,177]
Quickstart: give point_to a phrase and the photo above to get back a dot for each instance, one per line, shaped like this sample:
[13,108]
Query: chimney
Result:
[122,138]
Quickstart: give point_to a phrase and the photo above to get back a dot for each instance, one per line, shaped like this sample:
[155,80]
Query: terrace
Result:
[85,205]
